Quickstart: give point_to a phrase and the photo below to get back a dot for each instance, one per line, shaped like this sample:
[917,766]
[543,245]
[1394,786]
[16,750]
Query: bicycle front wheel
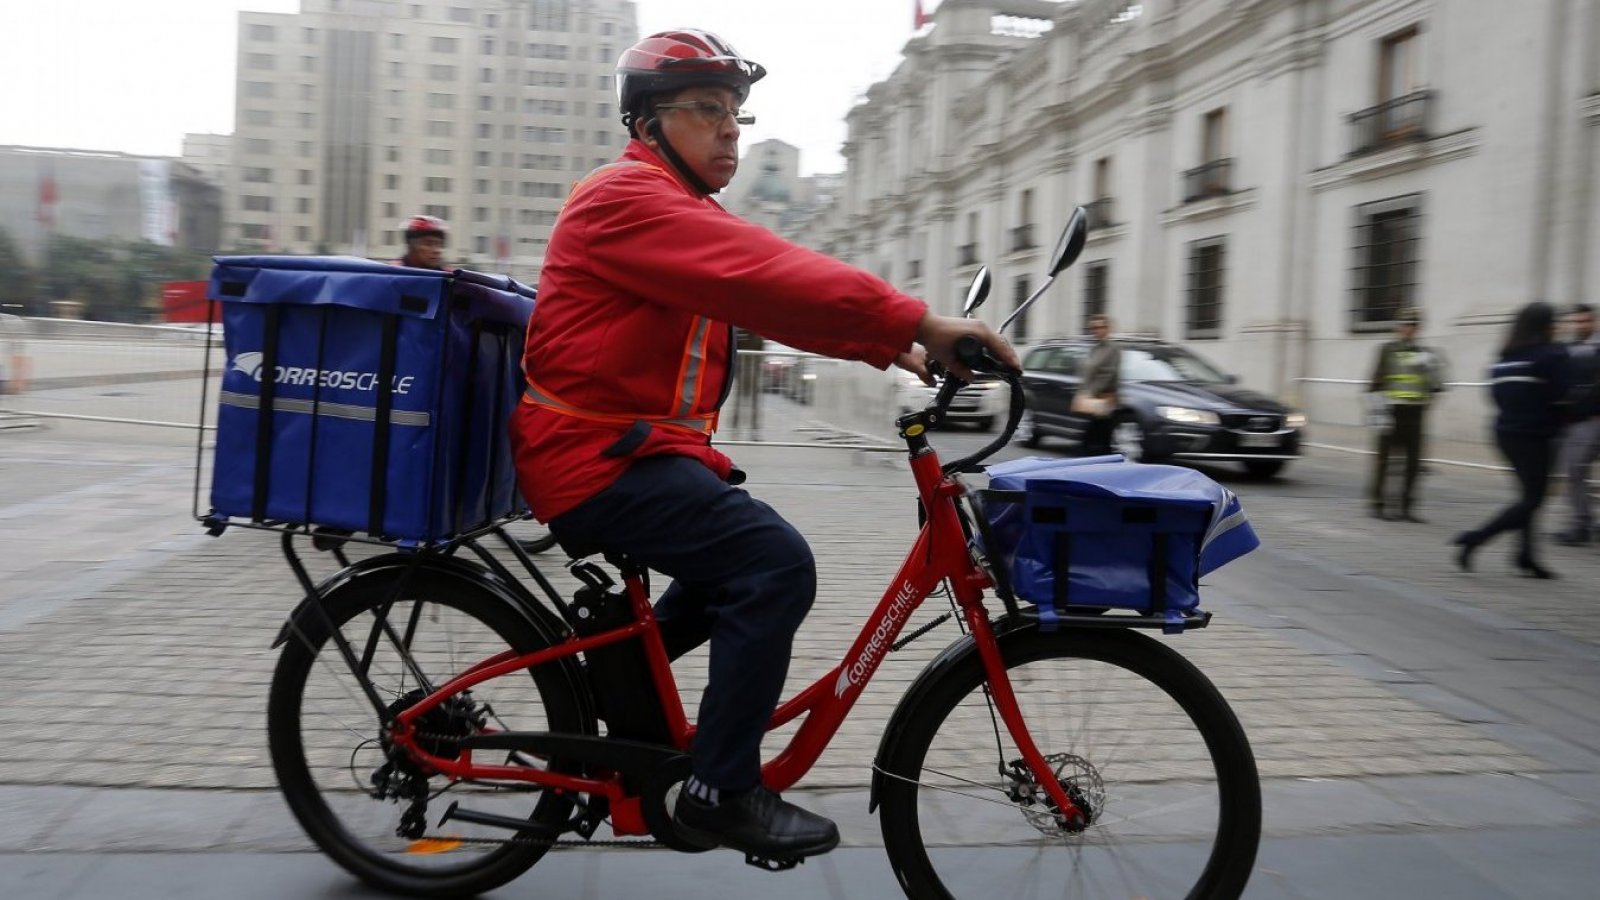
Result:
[366,804]
[1137,737]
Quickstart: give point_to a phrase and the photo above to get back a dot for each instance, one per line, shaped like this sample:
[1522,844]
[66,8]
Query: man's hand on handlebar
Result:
[940,333]
[915,361]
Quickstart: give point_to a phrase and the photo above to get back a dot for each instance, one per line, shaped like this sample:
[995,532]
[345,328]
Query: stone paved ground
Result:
[135,652]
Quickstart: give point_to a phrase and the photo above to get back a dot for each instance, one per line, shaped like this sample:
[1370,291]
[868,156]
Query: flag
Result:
[46,211]
[918,17]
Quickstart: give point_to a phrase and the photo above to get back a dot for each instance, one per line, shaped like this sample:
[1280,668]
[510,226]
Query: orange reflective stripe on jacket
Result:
[702,424]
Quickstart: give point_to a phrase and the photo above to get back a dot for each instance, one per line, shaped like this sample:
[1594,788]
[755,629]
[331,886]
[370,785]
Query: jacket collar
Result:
[639,151]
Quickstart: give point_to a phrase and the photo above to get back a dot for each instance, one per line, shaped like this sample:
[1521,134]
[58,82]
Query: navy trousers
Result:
[742,578]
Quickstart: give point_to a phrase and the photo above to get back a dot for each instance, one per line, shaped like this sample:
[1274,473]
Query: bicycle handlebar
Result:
[974,356]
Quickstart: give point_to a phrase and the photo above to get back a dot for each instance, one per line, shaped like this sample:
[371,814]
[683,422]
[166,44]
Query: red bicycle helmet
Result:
[424,226]
[672,60]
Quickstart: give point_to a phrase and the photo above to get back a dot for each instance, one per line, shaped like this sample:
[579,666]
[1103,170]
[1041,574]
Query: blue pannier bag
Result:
[1102,533]
[367,397]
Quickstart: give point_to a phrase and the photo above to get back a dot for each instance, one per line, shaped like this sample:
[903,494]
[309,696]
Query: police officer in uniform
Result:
[1404,380]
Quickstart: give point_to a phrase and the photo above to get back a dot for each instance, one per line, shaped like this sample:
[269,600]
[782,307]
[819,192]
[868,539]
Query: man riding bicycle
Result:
[425,238]
[629,358]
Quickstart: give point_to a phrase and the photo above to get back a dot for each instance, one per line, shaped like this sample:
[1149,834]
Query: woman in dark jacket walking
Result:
[1529,385]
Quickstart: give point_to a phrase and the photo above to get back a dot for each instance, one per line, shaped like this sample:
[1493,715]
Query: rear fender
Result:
[390,569]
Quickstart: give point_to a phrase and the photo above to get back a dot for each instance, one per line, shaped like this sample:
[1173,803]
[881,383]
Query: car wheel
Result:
[1263,468]
[1128,438]
[1026,434]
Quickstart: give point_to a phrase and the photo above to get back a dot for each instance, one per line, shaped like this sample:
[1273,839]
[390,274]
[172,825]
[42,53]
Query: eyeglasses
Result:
[711,112]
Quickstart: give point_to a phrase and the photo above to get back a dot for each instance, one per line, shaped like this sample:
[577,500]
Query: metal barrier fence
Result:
[152,374]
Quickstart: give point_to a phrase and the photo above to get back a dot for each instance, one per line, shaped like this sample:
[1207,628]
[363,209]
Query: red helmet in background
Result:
[673,60]
[424,226]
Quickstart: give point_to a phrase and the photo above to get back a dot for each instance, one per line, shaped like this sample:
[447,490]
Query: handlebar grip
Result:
[970,352]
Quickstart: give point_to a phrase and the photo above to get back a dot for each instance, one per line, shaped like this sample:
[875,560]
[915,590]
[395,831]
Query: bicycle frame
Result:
[939,554]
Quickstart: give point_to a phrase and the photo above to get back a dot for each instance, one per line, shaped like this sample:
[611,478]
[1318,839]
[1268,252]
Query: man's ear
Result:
[641,130]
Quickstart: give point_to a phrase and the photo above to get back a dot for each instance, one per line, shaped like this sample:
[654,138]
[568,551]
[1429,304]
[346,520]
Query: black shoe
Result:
[1573,538]
[1531,569]
[1378,513]
[758,822]
[1468,543]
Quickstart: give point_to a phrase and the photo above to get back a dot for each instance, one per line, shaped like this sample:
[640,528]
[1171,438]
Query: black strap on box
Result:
[316,416]
[1158,574]
[265,402]
[380,426]
[469,407]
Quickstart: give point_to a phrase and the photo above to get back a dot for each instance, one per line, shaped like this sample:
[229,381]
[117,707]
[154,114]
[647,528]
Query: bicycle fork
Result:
[1005,702]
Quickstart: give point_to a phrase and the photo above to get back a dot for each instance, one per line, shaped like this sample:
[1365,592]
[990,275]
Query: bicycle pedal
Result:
[778,864]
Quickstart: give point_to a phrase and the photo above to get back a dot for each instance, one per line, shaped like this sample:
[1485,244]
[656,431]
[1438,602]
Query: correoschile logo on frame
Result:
[249,363]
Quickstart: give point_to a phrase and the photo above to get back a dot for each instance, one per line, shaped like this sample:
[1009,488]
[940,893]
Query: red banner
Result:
[183,301]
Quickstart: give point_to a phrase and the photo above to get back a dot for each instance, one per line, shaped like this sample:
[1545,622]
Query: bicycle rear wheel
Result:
[357,800]
[1137,736]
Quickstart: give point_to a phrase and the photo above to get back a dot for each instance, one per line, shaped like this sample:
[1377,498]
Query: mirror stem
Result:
[1025,304]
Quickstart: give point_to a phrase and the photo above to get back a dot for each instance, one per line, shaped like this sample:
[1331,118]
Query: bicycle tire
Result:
[915,793]
[335,820]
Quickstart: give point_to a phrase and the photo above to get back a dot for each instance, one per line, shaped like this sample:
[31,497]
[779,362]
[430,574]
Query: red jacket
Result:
[642,281]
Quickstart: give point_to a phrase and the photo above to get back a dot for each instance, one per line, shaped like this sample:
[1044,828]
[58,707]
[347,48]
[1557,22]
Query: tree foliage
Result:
[116,281]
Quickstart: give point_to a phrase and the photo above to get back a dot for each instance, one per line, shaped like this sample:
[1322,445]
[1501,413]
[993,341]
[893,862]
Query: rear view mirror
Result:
[978,292]
[1071,241]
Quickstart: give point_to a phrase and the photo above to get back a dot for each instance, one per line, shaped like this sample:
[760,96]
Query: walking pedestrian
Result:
[1096,399]
[1405,377]
[1530,387]
[1581,442]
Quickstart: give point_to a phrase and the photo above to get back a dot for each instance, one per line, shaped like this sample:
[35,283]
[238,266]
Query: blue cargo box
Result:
[367,397]
[1102,533]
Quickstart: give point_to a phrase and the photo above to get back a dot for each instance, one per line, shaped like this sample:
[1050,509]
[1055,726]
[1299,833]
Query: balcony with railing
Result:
[1022,238]
[1213,179]
[967,254]
[1100,215]
[1402,120]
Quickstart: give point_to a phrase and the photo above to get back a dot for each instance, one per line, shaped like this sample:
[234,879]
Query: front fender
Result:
[961,652]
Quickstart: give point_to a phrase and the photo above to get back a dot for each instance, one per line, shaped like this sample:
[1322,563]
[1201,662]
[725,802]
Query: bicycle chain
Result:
[552,843]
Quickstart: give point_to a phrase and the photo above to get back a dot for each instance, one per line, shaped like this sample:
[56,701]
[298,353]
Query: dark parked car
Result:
[1172,405]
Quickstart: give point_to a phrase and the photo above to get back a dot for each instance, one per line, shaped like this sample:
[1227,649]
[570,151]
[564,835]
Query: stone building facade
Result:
[1269,180]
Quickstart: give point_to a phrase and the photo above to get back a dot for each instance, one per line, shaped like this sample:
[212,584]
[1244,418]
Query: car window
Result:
[1167,364]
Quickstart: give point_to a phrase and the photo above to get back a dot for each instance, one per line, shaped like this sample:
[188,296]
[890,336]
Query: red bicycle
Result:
[436,728]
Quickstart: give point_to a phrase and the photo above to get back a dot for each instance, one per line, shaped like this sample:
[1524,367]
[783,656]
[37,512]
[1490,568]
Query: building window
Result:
[1020,287]
[305,176]
[258,117]
[263,62]
[308,92]
[441,101]
[1096,277]
[1213,177]
[438,212]
[1388,233]
[486,46]
[391,182]
[256,232]
[310,35]
[391,154]
[390,210]
[254,203]
[307,120]
[305,149]
[1203,311]
[1022,235]
[440,128]
[259,146]
[480,186]
[460,14]
[302,233]
[438,156]
[302,205]
[397,42]
[485,130]
[263,33]
[1401,112]
[436,185]
[480,214]
[442,45]
[441,73]
[308,64]
[259,89]
[397,70]
[482,158]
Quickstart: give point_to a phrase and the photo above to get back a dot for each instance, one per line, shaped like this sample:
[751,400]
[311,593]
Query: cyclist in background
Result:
[629,359]
[425,239]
